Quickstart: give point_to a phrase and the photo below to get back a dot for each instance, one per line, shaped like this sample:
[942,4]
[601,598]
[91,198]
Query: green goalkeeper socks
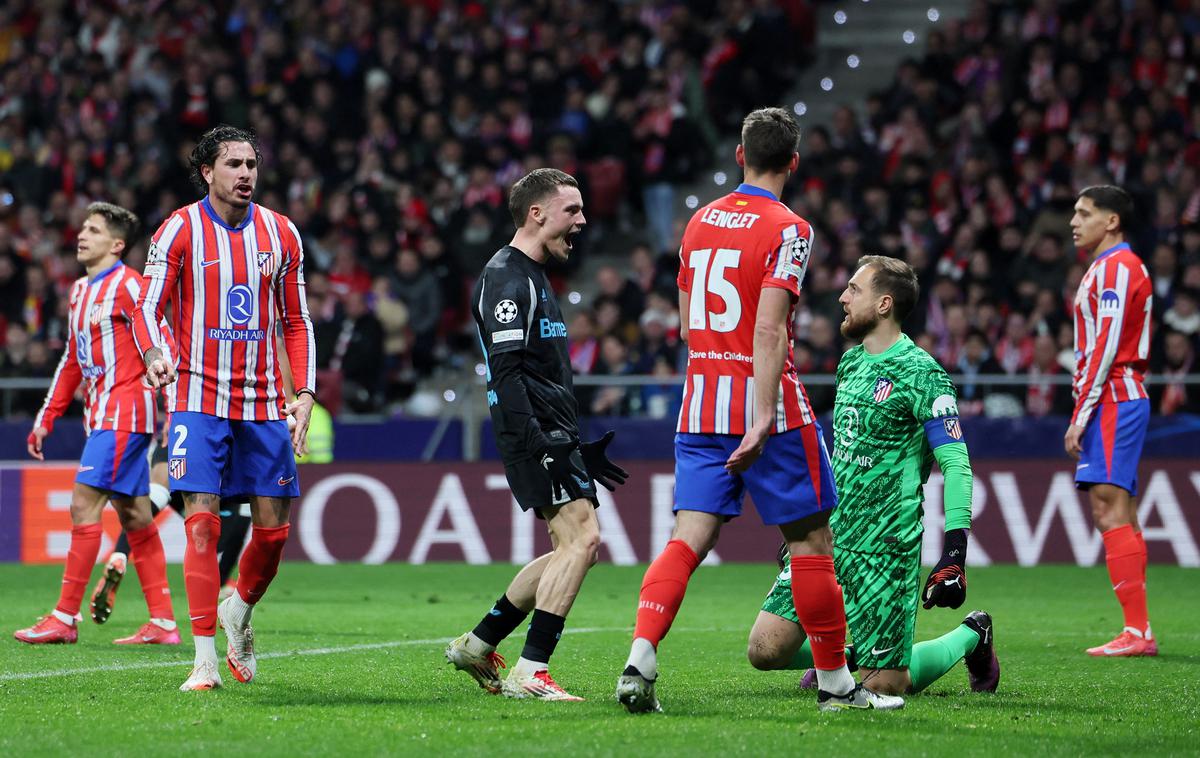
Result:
[803,658]
[933,658]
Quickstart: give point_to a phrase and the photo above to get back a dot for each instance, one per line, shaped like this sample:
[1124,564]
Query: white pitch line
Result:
[26,675]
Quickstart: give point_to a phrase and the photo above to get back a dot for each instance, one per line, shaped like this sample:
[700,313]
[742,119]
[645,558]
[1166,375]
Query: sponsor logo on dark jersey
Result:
[551,329]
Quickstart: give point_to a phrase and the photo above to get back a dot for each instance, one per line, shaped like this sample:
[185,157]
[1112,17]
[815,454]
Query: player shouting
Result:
[120,417]
[746,423]
[232,270]
[1112,409]
[896,412]
[524,340]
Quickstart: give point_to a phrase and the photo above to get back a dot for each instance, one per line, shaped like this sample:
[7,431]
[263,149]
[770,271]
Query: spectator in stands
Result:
[653,344]
[661,400]
[613,400]
[974,359]
[654,273]
[1184,313]
[419,290]
[1179,360]
[393,319]
[384,132]
[628,297]
[358,354]
[1044,267]
[1014,351]
[1043,396]
[954,336]
[12,289]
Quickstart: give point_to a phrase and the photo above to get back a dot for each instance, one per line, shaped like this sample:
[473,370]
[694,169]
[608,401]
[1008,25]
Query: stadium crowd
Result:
[967,166]
[389,132]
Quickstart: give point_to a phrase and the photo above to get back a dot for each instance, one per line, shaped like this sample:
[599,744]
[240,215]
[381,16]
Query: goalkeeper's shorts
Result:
[881,591]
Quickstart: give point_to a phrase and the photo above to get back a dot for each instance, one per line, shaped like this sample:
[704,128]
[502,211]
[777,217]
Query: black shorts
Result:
[530,484]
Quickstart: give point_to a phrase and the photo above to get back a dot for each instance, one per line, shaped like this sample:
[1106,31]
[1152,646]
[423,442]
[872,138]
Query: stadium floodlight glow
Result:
[691,202]
[826,84]
[574,298]
[908,37]
[720,178]
[839,17]
[852,61]
[480,369]
[449,396]
[800,108]
[932,14]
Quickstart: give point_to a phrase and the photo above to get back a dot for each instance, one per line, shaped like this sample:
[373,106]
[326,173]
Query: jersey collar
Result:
[105,272]
[207,206]
[750,189]
[897,346]
[1113,249]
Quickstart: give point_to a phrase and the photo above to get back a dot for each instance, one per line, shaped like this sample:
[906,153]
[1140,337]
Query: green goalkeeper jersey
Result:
[891,411]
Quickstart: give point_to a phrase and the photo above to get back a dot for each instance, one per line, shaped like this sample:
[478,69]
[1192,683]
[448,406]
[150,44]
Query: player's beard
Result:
[857,328]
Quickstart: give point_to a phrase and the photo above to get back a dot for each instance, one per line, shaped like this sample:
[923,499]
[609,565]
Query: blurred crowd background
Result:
[390,132]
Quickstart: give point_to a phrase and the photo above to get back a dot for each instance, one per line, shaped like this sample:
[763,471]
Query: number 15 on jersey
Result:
[710,278]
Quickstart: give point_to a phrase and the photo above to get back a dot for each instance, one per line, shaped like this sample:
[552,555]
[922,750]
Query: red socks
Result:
[201,576]
[662,590]
[820,608]
[146,552]
[260,562]
[85,546]
[1125,553]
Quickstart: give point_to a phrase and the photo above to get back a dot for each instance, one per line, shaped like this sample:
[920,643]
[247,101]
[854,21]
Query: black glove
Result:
[784,556]
[556,459]
[598,466]
[947,583]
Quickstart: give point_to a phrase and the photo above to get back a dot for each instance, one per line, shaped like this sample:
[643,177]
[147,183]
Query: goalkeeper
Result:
[894,414]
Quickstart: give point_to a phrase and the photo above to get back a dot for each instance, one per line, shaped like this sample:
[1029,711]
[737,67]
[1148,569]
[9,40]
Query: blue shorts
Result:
[231,458]
[790,480]
[1112,445]
[116,462]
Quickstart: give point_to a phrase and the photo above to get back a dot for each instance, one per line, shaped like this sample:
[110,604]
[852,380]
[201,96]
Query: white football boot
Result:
[239,654]
[858,699]
[203,677]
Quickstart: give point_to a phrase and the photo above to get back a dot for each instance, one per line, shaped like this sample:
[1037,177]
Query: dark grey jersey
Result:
[524,341]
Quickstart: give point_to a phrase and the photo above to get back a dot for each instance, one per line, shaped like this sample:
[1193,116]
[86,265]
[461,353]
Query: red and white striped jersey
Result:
[101,355]
[230,288]
[1112,331]
[732,249]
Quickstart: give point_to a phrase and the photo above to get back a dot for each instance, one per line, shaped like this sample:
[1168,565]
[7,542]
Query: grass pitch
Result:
[352,664]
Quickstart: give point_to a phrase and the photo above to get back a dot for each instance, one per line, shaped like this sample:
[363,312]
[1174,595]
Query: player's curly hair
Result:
[894,277]
[208,149]
[770,137]
[122,223]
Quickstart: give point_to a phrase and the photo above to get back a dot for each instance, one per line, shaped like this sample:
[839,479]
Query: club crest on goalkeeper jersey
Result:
[890,411]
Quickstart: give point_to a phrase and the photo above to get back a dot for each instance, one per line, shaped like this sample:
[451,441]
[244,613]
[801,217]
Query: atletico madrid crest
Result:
[883,388]
[266,262]
[94,316]
[952,428]
[177,468]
